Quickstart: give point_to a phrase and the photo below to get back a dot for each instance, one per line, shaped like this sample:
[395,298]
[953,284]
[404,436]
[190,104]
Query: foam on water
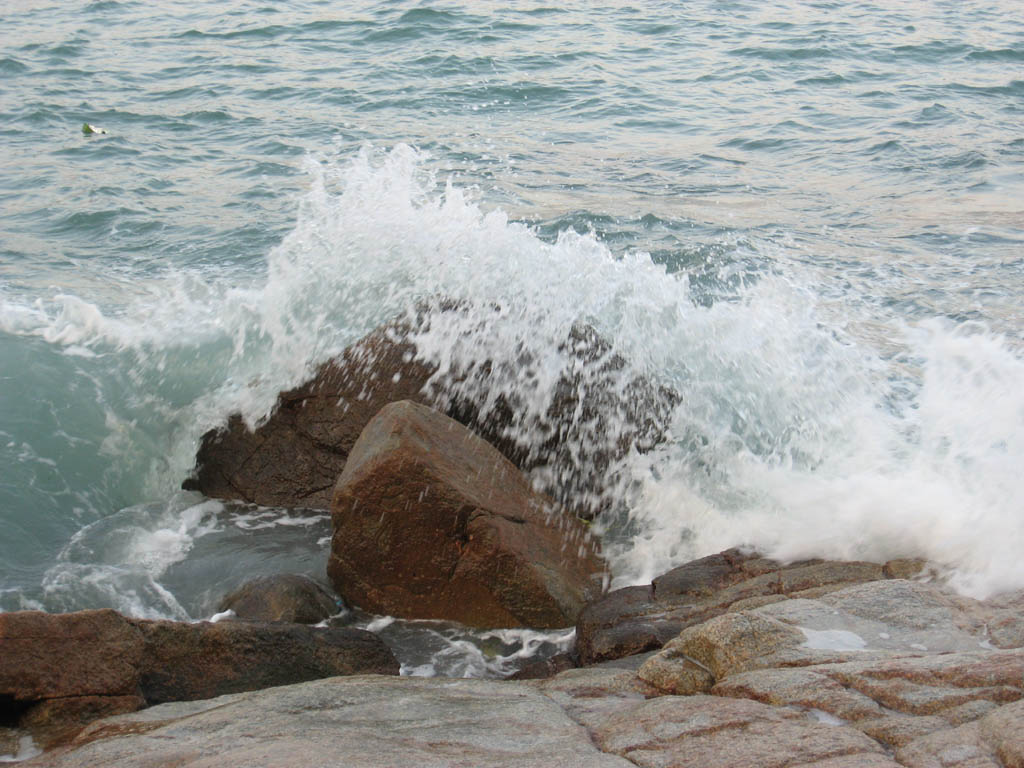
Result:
[117,562]
[806,427]
[446,649]
[920,463]
[27,749]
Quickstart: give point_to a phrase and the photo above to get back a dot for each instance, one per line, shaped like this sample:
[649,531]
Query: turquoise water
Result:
[807,218]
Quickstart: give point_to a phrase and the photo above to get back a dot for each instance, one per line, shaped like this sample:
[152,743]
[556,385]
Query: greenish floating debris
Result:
[88,130]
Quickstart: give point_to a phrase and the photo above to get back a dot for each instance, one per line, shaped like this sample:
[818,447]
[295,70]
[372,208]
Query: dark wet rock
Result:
[541,669]
[622,623]
[9,741]
[294,457]
[638,619]
[430,521]
[285,597]
[60,671]
[199,661]
[55,721]
[597,412]
[701,578]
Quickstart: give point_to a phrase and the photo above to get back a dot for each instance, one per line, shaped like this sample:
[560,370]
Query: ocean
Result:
[807,218]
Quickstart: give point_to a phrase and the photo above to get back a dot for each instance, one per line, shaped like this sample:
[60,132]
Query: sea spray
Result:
[797,430]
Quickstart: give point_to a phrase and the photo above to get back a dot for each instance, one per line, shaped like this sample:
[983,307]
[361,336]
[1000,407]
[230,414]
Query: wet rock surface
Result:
[61,671]
[808,673]
[595,413]
[432,522]
[198,661]
[285,597]
[294,457]
[637,619]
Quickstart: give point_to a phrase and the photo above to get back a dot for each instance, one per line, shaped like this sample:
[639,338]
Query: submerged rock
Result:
[60,671]
[567,430]
[430,521]
[285,597]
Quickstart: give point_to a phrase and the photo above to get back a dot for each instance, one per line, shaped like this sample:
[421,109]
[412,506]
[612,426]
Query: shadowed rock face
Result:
[595,412]
[293,459]
[60,671]
[430,521]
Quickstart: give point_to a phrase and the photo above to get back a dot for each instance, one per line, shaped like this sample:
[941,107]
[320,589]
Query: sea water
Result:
[806,218]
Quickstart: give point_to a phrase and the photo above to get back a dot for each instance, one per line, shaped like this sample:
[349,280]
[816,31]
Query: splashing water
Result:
[805,425]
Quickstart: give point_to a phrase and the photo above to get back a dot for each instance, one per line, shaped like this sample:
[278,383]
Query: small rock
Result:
[636,619]
[904,568]
[623,623]
[283,597]
[541,669]
[200,661]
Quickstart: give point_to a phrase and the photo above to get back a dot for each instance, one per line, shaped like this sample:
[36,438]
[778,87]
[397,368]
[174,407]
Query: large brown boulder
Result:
[430,521]
[294,457]
[60,671]
[568,430]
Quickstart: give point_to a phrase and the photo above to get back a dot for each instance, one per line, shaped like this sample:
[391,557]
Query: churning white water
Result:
[811,422]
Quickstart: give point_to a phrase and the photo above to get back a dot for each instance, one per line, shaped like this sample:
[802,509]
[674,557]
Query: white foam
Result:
[263,518]
[155,550]
[379,623]
[27,749]
[835,469]
[800,433]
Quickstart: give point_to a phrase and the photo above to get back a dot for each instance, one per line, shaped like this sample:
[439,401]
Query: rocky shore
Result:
[441,509]
[810,664]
